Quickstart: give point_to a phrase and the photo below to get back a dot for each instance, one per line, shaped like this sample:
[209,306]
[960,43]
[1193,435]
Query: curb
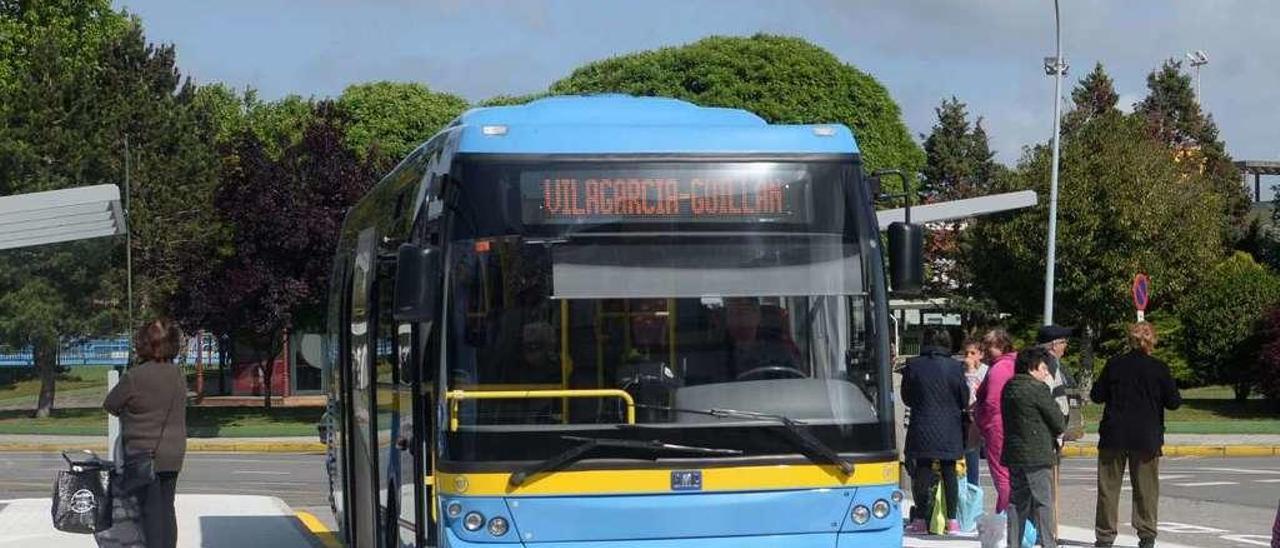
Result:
[1189,451]
[193,446]
[318,529]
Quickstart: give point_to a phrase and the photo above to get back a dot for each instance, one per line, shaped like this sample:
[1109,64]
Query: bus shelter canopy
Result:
[64,215]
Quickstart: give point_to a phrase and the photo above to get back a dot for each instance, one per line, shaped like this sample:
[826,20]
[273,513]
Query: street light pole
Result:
[1198,59]
[128,249]
[1057,67]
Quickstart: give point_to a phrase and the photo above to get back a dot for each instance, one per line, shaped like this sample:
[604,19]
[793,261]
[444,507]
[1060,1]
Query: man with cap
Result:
[1053,339]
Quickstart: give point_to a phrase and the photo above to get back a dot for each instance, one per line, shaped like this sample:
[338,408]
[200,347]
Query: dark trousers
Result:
[922,481]
[971,463]
[1144,475]
[159,522]
[1031,497]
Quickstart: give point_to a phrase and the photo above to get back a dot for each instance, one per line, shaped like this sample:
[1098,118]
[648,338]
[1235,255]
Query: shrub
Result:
[1220,317]
[1266,370]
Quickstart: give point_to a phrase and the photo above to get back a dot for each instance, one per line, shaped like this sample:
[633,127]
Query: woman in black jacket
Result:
[151,401]
[933,386]
[1136,389]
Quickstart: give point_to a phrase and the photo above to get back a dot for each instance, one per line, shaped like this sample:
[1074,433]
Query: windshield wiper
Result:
[586,445]
[795,429]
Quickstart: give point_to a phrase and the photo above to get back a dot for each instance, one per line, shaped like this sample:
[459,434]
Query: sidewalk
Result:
[1070,536]
[204,521]
[1067,536]
[1196,445]
[299,444]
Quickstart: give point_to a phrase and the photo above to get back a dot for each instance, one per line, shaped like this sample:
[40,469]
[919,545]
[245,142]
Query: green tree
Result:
[1095,96]
[959,164]
[1266,370]
[277,124]
[1174,117]
[1220,317]
[53,54]
[782,79]
[390,119]
[1124,207]
[77,30]
[509,100]
[65,124]
[173,164]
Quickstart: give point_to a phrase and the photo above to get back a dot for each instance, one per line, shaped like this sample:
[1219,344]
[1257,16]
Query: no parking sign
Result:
[1141,294]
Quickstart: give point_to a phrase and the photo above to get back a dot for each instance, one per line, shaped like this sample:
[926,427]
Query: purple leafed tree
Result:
[285,214]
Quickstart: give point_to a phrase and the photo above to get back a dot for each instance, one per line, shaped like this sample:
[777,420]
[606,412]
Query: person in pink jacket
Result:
[999,349]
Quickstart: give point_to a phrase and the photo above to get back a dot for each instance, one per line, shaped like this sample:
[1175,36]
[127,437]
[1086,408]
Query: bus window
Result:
[518,338]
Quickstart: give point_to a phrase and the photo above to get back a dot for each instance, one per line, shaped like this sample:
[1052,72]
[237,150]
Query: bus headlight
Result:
[880,509]
[497,527]
[474,521]
[861,515]
[453,510]
[896,497]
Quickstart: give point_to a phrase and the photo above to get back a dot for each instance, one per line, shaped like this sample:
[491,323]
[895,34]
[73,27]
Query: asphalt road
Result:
[299,480]
[1211,503]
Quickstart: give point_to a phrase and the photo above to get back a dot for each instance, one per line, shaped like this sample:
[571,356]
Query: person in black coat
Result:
[933,386]
[1136,389]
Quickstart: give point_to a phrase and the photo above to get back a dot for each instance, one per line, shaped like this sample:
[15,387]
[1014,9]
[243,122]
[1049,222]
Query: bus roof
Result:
[623,124]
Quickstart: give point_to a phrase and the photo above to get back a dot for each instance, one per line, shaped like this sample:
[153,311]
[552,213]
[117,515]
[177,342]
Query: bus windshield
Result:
[696,286]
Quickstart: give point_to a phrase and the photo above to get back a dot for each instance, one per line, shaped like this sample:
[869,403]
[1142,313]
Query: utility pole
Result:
[1055,66]
[128,248]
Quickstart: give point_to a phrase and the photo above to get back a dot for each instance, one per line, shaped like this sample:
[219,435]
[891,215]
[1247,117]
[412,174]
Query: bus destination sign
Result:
[704,196]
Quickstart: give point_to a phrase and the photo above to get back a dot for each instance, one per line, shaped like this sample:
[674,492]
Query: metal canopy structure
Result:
[959,209]
[1258,168]
[63,215]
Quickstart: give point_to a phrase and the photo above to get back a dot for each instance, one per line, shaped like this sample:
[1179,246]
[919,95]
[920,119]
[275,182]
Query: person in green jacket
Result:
[1032,424]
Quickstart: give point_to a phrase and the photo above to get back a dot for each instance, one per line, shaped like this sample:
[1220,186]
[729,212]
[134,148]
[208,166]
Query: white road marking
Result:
[1244,471]
[1207,483]
[1254,540]
[1183,528]
[1276,480]
[263,472]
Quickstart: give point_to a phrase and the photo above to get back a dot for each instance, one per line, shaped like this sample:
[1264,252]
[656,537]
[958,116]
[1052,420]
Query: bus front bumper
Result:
[800,518]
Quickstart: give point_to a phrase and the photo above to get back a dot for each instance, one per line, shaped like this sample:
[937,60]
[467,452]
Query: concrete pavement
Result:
[204,521]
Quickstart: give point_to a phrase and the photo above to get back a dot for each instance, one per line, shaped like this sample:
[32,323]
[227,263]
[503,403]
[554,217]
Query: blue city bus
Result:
[614,321]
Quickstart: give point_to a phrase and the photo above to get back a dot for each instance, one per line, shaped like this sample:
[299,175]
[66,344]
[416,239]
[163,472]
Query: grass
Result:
[85,379]
[1210,410]
[202,422]
[88,385]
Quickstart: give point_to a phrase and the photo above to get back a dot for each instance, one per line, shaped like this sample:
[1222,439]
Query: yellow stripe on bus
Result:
[617,482]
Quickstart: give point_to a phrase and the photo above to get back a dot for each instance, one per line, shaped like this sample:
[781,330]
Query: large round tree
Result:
[784,80]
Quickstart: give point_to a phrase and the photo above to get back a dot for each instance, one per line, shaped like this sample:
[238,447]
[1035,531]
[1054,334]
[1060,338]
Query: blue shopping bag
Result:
[970,507]
[1029,534]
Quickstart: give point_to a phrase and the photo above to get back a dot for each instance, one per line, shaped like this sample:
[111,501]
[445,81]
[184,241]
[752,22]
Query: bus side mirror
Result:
[906,258]
[875,186]
[417,283]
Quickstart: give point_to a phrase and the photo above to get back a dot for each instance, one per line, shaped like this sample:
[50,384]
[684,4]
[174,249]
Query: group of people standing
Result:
[1012,407]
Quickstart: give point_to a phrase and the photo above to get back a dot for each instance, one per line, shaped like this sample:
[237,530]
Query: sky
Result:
[987,53]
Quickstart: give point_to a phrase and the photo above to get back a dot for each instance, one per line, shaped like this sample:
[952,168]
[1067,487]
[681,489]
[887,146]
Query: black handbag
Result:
[81,499]
[139,468]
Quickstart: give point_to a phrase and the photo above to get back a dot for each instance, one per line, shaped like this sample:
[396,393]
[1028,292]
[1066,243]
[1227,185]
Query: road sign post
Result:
[1141,294]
